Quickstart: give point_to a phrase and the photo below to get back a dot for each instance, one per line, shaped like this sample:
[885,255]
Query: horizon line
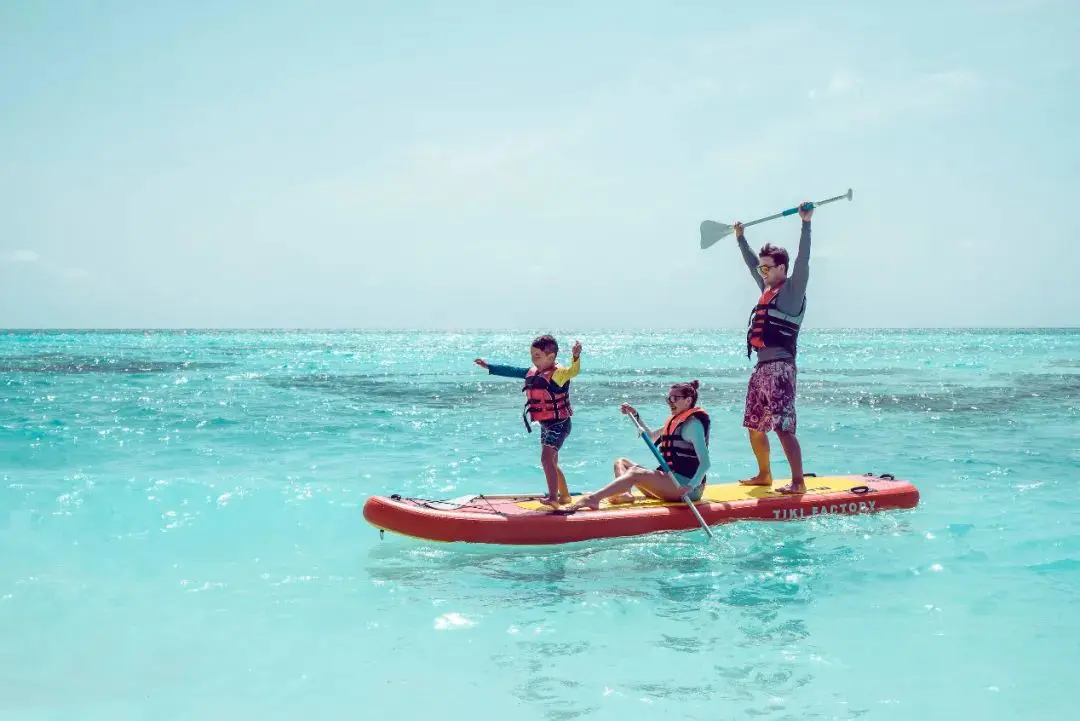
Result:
[508,329]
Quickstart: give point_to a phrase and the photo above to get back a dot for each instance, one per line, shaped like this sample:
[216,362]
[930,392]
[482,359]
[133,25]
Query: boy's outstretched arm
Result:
[500,370]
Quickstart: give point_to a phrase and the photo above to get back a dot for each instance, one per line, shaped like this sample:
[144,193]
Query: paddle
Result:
[711,231]
[667,469]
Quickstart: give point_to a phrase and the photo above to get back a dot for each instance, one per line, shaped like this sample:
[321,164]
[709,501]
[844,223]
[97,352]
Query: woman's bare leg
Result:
[654,483]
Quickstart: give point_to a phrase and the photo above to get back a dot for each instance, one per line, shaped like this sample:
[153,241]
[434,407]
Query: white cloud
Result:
[875,105]
[1018,6]
[474,172]
[29,256]
[509,162]
[926,93]
[20,256]
[496,157]
[72,273]
[739,44]
[841,83]
[457,171]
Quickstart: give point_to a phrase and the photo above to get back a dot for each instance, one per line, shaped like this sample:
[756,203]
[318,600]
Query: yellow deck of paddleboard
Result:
[728,493]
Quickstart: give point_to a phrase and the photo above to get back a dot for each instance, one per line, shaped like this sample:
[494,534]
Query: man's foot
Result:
[622,498]
[549,502]
[761,479]
[793,488]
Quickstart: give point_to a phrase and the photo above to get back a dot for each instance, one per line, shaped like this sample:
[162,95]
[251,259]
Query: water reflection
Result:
[63,364]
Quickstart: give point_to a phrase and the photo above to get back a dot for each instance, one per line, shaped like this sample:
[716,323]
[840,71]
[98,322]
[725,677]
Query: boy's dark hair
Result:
[779,255]
[546,344]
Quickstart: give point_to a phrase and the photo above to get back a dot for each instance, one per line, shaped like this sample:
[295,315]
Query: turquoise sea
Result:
[180,519]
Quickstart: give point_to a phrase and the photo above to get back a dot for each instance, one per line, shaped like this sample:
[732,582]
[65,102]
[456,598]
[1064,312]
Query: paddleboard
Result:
[522,520]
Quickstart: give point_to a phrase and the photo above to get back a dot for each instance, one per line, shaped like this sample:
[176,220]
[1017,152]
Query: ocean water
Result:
[180,519]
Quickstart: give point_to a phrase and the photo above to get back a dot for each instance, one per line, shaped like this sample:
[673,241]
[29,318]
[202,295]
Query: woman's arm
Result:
[694,432]
[631,411]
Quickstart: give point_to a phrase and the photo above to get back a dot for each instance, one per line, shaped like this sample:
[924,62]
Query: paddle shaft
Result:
[792,211]
[712,232]
[667,469]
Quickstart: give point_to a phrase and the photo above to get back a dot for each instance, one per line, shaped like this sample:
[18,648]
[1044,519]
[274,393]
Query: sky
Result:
[433,165]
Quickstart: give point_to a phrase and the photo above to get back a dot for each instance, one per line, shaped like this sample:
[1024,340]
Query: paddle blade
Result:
[711,232]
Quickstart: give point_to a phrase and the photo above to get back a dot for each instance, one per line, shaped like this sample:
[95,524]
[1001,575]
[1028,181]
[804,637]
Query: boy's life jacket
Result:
[545,401]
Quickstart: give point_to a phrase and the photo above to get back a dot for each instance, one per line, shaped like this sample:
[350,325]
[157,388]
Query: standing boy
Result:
[547,402]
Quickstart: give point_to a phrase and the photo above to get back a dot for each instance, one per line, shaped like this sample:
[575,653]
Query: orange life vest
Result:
[769,327]
[544,400]
[678,452]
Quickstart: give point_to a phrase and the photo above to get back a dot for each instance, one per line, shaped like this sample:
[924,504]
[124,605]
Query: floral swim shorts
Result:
[770,397]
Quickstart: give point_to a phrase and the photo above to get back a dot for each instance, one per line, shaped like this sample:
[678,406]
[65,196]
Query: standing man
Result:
[773,333]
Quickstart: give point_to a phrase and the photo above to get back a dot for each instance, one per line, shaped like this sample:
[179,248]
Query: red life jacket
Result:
[678,452]
[770,327]
[757,320]
[545,401]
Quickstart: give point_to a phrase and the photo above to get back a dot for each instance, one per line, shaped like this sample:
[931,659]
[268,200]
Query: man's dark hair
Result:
[779,255]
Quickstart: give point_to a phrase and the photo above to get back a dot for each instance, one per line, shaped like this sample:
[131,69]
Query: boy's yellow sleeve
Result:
[562,375]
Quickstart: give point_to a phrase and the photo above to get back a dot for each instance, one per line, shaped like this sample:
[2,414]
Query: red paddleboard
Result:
[523,520]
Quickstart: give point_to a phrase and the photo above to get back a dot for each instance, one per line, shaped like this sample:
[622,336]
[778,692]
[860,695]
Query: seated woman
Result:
[683,441]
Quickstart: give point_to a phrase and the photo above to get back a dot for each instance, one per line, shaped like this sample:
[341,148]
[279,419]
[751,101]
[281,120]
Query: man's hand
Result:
[738,230]
[805,214]
[576,350]
[629,410]
[481,362]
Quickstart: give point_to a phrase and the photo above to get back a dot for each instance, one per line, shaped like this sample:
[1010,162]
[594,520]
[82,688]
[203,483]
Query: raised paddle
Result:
[711,231]
[667,469]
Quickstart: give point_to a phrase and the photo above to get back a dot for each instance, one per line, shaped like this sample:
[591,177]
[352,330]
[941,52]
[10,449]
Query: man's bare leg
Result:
[793,451]
[760,443]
